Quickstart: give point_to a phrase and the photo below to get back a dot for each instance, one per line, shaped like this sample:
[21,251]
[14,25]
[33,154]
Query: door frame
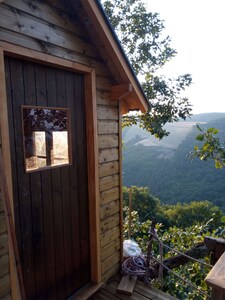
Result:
[92,145]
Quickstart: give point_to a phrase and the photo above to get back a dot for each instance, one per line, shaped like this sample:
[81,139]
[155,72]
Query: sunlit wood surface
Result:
[141,292]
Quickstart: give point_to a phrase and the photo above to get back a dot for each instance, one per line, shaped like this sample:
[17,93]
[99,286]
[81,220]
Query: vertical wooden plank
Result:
[5,139]
[39,86]
[23,193]
[82,178]
[57,201]
[74,184]
[48,210]
[12,149]
[48,234]
[121,180]
[66,205]
[26,207]
[93,174]
[4,125]
[48,218]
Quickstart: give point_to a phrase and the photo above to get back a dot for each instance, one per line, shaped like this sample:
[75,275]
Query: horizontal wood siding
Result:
[4,255]
[108,131]
[57,31]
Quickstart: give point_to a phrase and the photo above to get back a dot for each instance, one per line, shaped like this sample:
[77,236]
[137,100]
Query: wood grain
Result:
[107,127]
[107,155]
[109,195]
[44,31]
[110,249]
[108,141]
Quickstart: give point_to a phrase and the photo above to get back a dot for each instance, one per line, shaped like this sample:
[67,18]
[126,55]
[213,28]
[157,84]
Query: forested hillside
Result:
[163,166]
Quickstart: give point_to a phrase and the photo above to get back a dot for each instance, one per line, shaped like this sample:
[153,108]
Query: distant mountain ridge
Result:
[163,165]
[178,131]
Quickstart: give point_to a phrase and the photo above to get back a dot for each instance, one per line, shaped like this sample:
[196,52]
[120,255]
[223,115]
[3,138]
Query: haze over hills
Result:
[163,165]
[178,131]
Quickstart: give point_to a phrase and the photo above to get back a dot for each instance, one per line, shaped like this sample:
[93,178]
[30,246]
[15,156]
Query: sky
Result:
[197,29]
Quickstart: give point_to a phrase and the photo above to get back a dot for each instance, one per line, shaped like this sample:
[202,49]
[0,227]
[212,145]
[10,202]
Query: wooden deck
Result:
[141,292]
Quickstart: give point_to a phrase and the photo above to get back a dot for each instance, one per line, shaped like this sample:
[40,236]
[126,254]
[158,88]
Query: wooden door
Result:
[50,205]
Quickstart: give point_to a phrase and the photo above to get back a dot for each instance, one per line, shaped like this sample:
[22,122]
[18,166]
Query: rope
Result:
[181,278]
[181,253]
[137,266]
[160,277]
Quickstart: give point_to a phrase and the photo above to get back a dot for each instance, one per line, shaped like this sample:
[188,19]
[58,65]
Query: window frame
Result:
[68,113]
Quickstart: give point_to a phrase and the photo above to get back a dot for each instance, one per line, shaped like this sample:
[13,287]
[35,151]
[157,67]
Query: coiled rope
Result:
[137,266]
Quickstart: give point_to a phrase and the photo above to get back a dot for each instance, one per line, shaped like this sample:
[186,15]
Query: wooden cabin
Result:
[64,84]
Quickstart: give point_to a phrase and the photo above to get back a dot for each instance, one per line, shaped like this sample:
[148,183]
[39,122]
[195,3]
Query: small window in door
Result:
[46,134]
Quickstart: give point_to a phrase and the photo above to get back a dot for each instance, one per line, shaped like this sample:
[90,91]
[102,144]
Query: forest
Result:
[163,166]
[180,227]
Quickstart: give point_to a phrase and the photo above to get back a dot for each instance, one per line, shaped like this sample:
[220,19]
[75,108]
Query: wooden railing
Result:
[216,277]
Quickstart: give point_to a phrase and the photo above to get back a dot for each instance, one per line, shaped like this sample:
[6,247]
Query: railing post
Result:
[215,279]
[217,294]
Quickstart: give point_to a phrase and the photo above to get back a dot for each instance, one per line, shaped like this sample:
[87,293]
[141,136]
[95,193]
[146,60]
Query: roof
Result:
[128,88]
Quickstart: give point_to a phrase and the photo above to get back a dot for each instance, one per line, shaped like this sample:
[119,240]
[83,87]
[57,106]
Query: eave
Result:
[98,23]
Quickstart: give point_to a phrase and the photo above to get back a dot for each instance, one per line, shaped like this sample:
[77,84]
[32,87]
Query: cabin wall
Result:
[4,254]
[56,31]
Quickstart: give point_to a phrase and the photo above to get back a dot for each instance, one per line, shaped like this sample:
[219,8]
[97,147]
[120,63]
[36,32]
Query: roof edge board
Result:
[96,12]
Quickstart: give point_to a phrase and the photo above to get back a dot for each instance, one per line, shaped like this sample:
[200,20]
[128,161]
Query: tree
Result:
[142,201]
[141,35]
[212,147]
[189,214]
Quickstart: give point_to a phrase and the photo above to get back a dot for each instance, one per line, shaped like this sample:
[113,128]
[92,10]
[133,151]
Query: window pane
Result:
[39,142]
[60,148]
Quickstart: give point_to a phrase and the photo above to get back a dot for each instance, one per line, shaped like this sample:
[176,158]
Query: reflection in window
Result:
[60,147]
[46,137]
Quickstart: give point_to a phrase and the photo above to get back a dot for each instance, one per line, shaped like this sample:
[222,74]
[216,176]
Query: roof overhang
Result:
[128,90]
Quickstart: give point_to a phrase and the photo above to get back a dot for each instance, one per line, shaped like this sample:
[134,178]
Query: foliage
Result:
[167,171]
[195,215]
[142,201]
[194,273]
[139,230]
[182,215]
[181,239]
[211,147]
[146,207]
[141,35]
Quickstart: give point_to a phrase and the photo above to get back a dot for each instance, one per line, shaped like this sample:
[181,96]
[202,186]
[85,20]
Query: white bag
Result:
[130,248]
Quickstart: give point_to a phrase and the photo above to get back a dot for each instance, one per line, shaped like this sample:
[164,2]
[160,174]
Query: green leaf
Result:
[212,130]
[200,137]
[218,164]
[205,147]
